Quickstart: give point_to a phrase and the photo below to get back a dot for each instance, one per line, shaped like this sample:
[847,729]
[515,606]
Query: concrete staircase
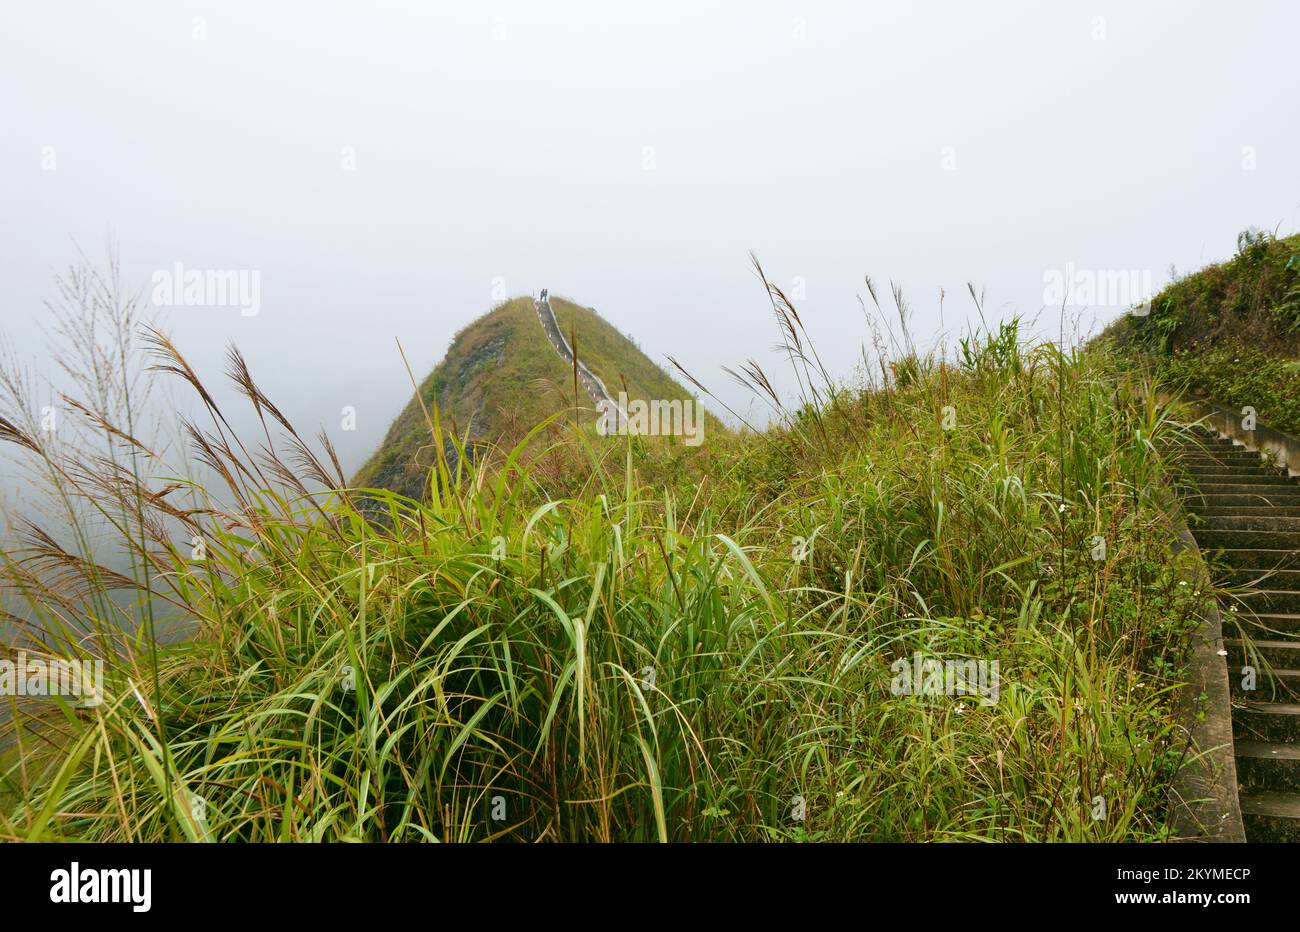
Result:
[591,382]
[1246,521]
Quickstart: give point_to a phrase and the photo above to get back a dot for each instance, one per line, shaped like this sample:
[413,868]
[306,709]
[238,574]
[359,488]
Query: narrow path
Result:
[1249,514]
[595,388]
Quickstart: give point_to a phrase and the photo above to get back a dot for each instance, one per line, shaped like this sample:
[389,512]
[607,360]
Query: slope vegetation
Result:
[1231,331]
[888,618]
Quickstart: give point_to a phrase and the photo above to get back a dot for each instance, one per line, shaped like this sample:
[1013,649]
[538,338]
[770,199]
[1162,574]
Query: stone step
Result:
[1260,578]
[1270,815]
[1267,765]
[1281,654]
[1235,458]
[1193,481]
[1208,448]
[1218,472]
[1251,523]
[1279,626]
[1213,476]
[1246,511]
[1237,488]
[1211,539]
[1259,561]
[1266,721]
[1287,499]
[1198,476]
[1271,684]
[1272,607]
[1208,490]
[1244,624]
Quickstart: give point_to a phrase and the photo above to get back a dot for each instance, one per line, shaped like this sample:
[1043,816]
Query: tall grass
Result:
[650,658]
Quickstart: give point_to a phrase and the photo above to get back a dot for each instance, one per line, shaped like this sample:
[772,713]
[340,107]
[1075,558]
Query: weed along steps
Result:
[1246,520]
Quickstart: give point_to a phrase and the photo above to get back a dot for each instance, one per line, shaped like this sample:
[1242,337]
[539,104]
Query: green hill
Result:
[501,377]
[1231,331]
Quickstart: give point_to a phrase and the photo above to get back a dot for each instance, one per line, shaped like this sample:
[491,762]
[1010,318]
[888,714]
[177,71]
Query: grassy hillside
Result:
[498,371]
[616,359]
[687,644]
[1231,331]
[500,378]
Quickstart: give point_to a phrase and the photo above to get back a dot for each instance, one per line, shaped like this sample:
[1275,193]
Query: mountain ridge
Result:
[504,373]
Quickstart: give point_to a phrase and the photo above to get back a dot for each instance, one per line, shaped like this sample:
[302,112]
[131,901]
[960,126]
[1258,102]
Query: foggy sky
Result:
[382,165]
